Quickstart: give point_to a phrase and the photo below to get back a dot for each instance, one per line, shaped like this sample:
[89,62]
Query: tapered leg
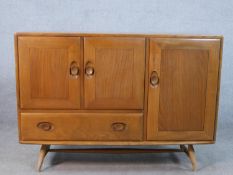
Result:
[191,154]
[188,150]
[43,151]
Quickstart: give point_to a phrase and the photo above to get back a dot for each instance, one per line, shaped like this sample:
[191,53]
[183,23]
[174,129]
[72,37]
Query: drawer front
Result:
[84,126]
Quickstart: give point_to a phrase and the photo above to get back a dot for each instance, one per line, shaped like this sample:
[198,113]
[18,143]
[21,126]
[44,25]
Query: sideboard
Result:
[117,89]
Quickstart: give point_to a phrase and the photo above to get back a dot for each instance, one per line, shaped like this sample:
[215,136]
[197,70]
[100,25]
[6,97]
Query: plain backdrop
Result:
[214,17]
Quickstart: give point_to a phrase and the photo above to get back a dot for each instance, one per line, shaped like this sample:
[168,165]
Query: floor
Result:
[20,159]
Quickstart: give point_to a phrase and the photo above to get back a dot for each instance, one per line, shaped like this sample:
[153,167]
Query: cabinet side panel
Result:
[17,82]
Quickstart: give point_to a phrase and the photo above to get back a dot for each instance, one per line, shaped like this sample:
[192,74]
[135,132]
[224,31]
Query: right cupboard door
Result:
[183,88]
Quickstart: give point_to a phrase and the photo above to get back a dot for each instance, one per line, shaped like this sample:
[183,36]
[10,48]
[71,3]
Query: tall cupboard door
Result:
[114,72]
[183,86]
[49,72]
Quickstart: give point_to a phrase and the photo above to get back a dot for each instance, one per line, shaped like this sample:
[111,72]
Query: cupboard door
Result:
[49,72]
[114,72]
[183,87]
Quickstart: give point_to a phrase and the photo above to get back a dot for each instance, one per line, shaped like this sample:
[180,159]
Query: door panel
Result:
[114,73]
[183,76]
[182,105]
[48,70]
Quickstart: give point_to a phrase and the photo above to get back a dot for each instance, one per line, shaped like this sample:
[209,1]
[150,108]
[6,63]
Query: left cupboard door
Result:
[49,72]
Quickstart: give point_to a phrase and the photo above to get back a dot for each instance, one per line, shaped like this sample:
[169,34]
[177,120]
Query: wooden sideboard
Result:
[117,89]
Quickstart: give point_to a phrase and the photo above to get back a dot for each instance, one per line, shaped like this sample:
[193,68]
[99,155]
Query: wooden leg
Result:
[191,154]
[188,150]
[43,151]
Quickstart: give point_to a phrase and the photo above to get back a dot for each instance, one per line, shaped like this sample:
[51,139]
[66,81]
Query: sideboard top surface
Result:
[197,36]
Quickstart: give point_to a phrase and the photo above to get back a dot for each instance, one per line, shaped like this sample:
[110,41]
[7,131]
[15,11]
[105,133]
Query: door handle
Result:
[154,79]
[89,69]
[74,69]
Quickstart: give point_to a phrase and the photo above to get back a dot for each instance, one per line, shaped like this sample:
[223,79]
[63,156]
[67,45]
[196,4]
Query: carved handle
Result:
[45,126]
[74,69]
[154,78]
[118,126]
[89,70]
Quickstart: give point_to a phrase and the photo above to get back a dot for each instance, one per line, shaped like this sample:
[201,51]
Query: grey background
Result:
[115,16]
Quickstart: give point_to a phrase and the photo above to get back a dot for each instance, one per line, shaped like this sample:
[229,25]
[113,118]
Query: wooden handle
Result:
[89,69]
[45,126]
[154,78]
[74,69]
[118,126]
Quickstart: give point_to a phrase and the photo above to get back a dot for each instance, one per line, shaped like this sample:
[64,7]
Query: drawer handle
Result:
[45,126]
[74,70]
[118,126]
[154,78]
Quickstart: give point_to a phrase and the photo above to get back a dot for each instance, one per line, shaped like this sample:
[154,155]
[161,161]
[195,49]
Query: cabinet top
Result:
[118,35]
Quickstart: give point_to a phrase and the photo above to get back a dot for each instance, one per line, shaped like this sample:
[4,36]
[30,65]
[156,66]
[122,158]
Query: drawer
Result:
[81,126]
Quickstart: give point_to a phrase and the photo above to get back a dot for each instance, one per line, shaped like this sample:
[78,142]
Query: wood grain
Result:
[48,34]
[147,56]
[182,107]
[112,101]
[119,143]
[17,82]
[118,80]
[44,64]
[166,135]
[83,126]
[183,79]
[218,90]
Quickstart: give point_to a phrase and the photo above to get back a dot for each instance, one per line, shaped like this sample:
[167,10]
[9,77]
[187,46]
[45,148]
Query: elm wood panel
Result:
[153,92]
[219,80]
[81,111]
[49,34]
[177,76]
[118,79]
[17,80]
[81,74]
[146,84]
[50,63]
[165,36]
[183,77]
[44,72]
[85,126]
[118,143]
